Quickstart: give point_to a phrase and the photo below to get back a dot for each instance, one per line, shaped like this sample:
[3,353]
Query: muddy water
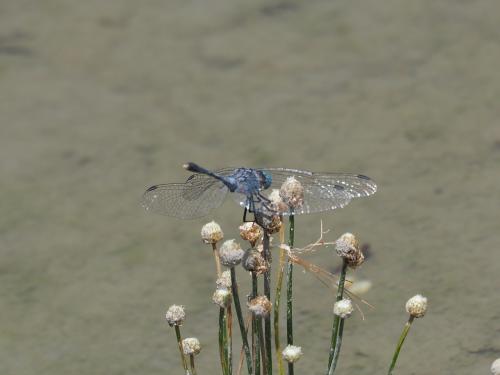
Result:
[98,100]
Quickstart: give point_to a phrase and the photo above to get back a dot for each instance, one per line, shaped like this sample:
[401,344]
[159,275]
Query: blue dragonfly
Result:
[205,190]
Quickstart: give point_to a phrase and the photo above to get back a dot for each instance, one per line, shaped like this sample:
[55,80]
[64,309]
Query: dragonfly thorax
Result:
[248,181]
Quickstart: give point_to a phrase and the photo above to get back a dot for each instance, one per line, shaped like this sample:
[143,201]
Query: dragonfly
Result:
[205,190]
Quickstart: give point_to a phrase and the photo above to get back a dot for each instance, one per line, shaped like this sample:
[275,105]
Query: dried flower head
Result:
[343,308]
[277,203]
[292,193]
[495,367]
[250,232]
[253,261]
[222,297]
[347,247]
[224,281]
[175,315]
[416,306]
[230,253]
[260,306]
[211,233]
[191,346]
[271,223]
[292,353]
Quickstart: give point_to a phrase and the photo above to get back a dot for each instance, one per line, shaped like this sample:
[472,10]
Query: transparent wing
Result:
[324,191]
[197,184]
[183,202]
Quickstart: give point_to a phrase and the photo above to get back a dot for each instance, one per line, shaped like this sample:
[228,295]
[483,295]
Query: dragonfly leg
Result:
[264,198]
[265,202]
[249,207]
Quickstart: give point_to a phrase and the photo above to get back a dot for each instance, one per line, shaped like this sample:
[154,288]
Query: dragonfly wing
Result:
[324,191]
[198,183]
[180,201]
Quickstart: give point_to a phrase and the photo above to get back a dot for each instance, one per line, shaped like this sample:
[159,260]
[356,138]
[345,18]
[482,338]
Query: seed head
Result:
[343,308]
[211,233]
[253,261]
[292,192]
[277,203]
[224,281]
[347,247]
[251,232]
[191,346]
[230,253]
[175,315]
[416,306]
[260,306]
[292,353]
[222,297]
[495,367]
[272,224]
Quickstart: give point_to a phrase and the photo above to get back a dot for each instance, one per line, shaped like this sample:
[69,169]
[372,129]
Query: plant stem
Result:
[267,292]
[401,340]
[222,335]
[260,335]
[256,343]
[191,362]
[241,321]
[336,320]
[277,298]
[217,260]
[181,351]
[289,293]
[229,339]
[338,343]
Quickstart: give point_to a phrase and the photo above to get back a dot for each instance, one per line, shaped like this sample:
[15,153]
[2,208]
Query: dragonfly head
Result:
[266,179]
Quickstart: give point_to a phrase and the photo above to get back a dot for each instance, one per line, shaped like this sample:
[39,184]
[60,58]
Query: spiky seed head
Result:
[175,315]
[253,261]
[343,308]
[347,247]
[222,297]
[292,193]
[292,353]
[250,232]
[495,367]
[211,233]
[260,306]
[191,346]
[416,306]
[230,253]
[224,281]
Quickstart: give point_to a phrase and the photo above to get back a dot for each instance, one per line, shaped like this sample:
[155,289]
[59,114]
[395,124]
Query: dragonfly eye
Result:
[267,179]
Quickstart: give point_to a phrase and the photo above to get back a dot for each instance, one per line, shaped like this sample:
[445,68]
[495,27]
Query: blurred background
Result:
[99,100]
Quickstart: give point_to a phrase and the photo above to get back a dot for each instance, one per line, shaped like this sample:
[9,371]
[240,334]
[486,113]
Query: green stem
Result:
[338,343]
[260,335]
[229,339]
[401,340]
[241,321]
[289,293]
[191,362]
[277,298]
[181,351]
[222,340]
[336,320]
[256,343]
[267,292]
